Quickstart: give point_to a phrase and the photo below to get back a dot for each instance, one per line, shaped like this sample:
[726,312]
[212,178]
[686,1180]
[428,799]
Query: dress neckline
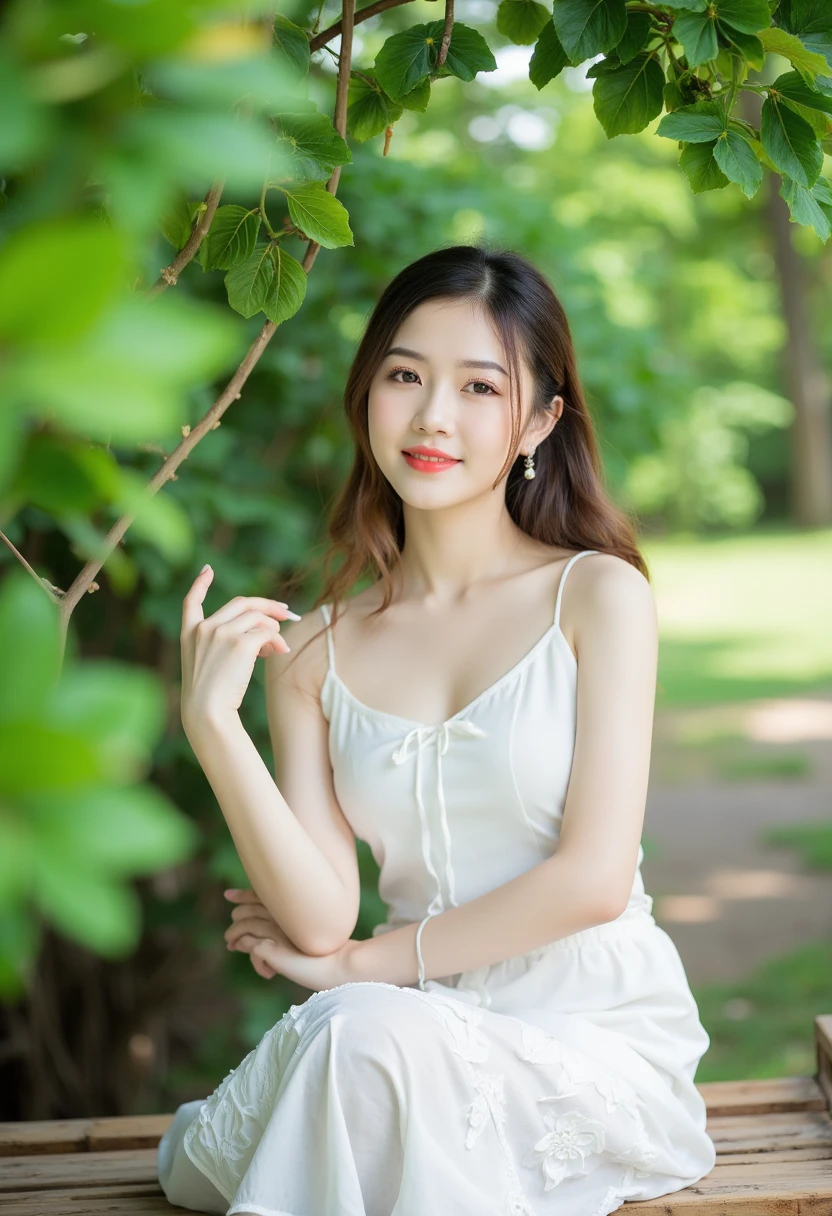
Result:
[554,630]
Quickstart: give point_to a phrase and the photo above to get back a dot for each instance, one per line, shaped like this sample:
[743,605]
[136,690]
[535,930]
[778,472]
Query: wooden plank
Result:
[811,1152]
[34,1173]
[82,1135]
[73,1204]
[823,1047]
[802,1188]
[764,1096]
[765,1133]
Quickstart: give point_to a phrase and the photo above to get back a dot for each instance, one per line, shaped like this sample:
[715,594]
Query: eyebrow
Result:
[414,354]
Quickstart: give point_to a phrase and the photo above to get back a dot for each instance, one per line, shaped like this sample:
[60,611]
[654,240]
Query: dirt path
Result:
[727,900]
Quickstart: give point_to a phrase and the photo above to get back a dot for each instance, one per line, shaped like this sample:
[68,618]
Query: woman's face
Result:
[444,384]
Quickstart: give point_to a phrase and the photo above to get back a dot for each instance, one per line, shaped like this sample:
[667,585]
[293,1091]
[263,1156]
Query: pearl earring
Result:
[529,463]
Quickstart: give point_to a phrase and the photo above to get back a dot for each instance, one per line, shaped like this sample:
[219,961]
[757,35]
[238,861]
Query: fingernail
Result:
[204,568]
[293,616]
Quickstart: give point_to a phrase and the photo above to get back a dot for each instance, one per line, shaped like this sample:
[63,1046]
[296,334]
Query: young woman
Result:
[519,1037]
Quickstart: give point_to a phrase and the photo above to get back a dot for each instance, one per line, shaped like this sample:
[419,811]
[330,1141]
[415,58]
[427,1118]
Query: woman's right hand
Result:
[219,651]
[252,922]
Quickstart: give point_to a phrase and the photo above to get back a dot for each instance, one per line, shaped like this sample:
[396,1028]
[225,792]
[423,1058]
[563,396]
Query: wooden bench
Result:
[773,1139]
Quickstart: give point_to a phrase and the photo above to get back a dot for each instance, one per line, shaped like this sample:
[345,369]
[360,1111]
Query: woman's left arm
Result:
[589,878]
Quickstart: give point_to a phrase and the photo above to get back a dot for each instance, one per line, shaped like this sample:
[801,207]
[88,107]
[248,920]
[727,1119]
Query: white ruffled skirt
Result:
[556,1082]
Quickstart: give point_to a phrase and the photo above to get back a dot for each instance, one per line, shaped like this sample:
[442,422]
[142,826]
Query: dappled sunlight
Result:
[687,909]
[725,886]
[754,884]
[778,720]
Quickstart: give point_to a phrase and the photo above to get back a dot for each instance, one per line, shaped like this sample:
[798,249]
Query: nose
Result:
[436,412]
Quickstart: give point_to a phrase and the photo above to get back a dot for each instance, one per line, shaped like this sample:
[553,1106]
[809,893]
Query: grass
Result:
[763,1025]
[743,616]
[813,841]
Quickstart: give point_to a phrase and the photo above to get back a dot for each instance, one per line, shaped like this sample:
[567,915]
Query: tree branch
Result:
[369,10]
[53,592]
[171,273]
[232,390]
[446,33]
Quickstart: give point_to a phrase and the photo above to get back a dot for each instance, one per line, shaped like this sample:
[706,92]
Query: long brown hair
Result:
[565,505]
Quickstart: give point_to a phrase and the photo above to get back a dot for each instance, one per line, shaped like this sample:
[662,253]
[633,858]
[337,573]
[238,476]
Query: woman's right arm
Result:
[290,833]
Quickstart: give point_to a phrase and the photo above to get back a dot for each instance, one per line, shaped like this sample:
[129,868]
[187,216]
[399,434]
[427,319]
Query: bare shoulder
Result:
[304,668]
[607,593]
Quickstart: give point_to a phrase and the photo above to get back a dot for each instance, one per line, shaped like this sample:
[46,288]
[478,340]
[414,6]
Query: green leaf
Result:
[790,142]
[627,98]
[697,33]
[369,109]
[257,80]
[27,122]
[291,47]
[748,45]
[145,355]
[793,88]
[737,161]
[29,647]
[805,208]
[312,147]
[692,6]
[195,147]
[468,52]
[418,98]
[820,123]
[319,214]
[522,20]
[102,915]
[405,59]
[83,263]
[288,287]
[822,191]
[636,36]
[119,710]
[760,153]
[248,283]
[37,758]
[117,831]
[673,99]
[231,237]
[177,223]
[63,475]
[548,57]
[587,28]
[747,16]
[702,171]
[779,42]
[700,123]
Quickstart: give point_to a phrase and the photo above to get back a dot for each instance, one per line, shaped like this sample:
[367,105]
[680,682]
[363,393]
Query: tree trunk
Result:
[806,381]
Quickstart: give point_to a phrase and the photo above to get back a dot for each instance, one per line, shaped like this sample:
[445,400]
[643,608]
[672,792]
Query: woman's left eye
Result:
[398,371]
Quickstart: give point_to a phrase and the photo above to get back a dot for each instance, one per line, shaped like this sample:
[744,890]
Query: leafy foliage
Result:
[118,120]
[77,819]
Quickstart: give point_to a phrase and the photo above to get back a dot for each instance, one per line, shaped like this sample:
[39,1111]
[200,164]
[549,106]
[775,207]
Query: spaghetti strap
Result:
[325,609]
[568,567]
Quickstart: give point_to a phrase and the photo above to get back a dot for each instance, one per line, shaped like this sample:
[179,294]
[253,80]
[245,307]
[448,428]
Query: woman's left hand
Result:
[255,932]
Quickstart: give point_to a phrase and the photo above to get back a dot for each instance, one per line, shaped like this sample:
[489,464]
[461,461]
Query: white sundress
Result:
[555,1083]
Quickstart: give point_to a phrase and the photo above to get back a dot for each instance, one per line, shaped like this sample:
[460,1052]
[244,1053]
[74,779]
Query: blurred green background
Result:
[700,324]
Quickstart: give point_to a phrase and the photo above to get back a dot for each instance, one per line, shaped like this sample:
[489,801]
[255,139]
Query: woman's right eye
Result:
[405,370]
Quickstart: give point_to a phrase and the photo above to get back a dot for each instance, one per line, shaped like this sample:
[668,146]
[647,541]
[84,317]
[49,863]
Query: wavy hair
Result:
[565,505]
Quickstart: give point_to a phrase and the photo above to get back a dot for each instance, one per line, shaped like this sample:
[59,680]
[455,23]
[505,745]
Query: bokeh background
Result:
[702,328]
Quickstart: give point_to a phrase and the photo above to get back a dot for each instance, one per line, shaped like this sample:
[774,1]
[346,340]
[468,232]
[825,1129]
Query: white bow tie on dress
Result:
[422,736]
